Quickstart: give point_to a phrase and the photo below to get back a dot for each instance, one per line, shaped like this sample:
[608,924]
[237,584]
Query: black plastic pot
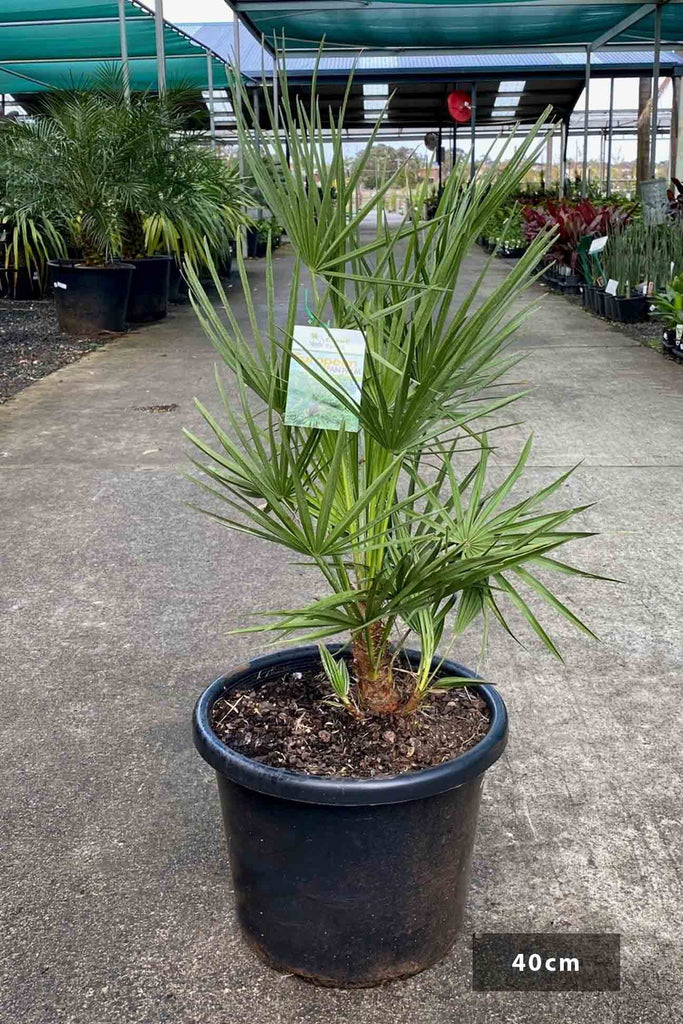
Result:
[148,298]
[569,284]
[90,299]
[178,290]
[587,296]
[629,310]
[257,246]
[600,304]
[611,311]
[20,284]
[348,882]
[224,264]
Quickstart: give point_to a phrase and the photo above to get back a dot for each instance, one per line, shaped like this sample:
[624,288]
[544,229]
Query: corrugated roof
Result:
[218,36]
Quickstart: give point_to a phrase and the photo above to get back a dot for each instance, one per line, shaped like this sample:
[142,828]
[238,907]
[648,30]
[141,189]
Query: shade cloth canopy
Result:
[461,25]
[47,45]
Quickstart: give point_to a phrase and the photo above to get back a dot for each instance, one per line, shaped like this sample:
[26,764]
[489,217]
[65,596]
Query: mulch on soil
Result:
[289,722]
[31,344]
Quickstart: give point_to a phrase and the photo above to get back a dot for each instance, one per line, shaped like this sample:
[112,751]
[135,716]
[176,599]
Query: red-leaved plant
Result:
[573,221]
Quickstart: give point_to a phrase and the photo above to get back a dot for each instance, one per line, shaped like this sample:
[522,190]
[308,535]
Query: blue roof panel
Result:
[219,37]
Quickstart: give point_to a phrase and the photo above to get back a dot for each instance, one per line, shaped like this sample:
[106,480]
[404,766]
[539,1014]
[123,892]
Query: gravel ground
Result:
[31,344]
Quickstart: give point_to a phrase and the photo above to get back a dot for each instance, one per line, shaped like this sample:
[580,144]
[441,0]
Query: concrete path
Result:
[117,601]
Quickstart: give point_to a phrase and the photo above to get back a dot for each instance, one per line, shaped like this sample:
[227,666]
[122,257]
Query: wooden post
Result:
[643,153]
[675,161]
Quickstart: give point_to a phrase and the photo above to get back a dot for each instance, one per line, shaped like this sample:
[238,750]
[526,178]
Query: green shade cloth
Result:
[456,24]
[51,45]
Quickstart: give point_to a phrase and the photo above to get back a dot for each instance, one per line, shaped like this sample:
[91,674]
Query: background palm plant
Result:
[398,518]
[117,178]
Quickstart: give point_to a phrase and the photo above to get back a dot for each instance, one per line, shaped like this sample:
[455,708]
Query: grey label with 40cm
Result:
[546,962]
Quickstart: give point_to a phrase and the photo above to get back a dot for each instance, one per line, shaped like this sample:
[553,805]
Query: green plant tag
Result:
[327,364]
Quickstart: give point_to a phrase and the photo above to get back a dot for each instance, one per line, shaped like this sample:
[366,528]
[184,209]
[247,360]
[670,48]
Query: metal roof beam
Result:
[296,6]
[621,26]
[462,51]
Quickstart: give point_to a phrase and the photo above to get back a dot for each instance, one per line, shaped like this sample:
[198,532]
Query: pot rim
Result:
[317,789]
[67,264]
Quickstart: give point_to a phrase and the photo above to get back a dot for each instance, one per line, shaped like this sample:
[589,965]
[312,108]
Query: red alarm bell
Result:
[460,106]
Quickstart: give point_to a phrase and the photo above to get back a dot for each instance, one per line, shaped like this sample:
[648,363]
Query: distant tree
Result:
[385,160]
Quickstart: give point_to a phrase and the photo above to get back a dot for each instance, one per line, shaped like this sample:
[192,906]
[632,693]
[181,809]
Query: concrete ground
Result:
[117,601]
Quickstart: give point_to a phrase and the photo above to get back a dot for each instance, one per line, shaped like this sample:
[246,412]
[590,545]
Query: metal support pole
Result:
[237,103]
[675,163]
[584,181]
[237,71]
[655,91]
[438,157]
[159,39]
[123,41]
[564,138]
[257,123]
[212,116]
[276,94]
[549,159]
[473,123]
[610,128]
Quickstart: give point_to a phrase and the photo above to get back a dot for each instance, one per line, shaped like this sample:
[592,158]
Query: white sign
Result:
[334,353]
[611,287]
[655,201]
[597,245]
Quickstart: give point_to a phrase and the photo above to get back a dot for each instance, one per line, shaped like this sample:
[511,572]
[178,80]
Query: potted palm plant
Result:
[117,177]
[193,196]
[75,160]
[29,236]
[350,772]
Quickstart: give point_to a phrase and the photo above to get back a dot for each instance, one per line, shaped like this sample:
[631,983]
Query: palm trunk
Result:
[376,688]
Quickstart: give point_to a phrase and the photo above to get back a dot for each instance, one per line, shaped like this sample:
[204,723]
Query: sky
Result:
[194,10]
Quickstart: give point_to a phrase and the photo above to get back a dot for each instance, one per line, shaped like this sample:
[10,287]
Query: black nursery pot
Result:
[611,309]
[631,309]
[600,304]
[178,290]
[90,299]
[348,882]
[20,284]
[148,299]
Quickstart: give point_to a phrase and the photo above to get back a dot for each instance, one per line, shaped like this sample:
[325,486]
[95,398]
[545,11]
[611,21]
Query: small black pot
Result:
[178,290]
[569,284]
[148,299]
[600,304]
[629,310]
[257,247]
[90,298]
[587,296]
[611,311]
[20,284]
[224,264]
[348,882]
